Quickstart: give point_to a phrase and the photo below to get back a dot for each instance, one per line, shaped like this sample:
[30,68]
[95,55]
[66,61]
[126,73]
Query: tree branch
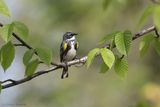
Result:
[61,65]
[70,63]
[145,31]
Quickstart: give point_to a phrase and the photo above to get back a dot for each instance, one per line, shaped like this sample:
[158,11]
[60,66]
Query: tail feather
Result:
[65,73]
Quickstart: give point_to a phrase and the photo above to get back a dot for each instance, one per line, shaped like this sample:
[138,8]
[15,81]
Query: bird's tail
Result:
[65,73]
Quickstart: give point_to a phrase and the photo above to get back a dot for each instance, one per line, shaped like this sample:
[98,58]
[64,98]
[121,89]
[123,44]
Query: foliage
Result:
[147,12]
[18,27]
[45,55]
[6,32]
[28,56]
[91,56]
[21,29]
[7,54]
[3,9]
[156,17]
[107,56]
[104,68]
[123,41]
[7,51]
[121,67]
[31,67]
[155,10]
[118,44]
[144,44]
[108,37]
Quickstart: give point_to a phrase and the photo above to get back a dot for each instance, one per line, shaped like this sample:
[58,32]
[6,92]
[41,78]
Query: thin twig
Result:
[70,63]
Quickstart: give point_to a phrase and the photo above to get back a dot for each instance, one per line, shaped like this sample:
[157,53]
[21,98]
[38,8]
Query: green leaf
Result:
[91,56]
[123,42]
[143,48]
[6,32]
[157,45]
[144,44]
[107,56]
[7,54]
[147,12]
[3,9]
[45,55]
[121,67]
[156,17]
[108,37]
[21,29]
[31,67]
[28,56]
[106,3]
[104,68]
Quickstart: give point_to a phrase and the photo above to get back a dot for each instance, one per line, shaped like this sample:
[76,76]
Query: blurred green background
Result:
[47,21]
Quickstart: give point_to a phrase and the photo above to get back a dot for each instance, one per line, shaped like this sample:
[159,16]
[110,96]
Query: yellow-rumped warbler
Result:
[68,50]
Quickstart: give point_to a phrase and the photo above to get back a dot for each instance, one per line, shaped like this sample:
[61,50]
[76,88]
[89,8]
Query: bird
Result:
[68,50]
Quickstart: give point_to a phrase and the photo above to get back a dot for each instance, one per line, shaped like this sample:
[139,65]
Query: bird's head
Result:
[69,36]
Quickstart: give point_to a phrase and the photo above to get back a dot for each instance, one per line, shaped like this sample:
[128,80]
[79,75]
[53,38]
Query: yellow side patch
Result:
[65,46]
[77,45]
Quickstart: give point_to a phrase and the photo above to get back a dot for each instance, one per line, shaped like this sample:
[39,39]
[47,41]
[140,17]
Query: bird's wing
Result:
[76,45]
[63,50]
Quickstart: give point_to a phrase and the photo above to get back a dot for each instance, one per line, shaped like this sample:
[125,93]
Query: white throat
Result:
[72,52]
[71,39]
